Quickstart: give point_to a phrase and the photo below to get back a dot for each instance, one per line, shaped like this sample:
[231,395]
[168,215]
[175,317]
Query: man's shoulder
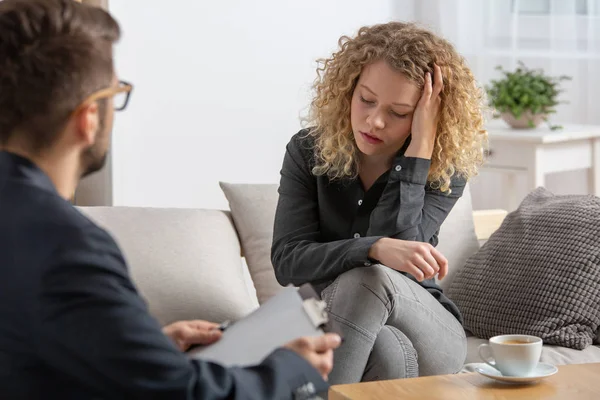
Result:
[46,220]
[30,203]
[64,217]
[76,229]
[79,225]
[41,234]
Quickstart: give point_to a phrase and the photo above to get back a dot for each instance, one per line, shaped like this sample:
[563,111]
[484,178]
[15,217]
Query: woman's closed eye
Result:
[366,101]
[371,102]
[397,115]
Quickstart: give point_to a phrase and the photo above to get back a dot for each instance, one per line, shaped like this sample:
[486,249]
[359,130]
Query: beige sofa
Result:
[187,262]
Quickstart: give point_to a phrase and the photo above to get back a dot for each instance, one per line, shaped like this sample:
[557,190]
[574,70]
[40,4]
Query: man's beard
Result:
[94,158]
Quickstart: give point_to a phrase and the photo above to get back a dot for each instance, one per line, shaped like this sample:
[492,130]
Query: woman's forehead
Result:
[389,83]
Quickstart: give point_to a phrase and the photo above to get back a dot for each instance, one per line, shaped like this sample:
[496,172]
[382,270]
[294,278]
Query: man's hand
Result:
[318,351]
[421,260]
[187,333]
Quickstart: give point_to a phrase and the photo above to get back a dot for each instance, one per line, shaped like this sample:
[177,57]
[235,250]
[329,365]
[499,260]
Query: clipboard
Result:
[292,313]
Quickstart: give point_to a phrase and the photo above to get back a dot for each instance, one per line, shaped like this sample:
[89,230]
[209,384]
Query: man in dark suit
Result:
[72,324]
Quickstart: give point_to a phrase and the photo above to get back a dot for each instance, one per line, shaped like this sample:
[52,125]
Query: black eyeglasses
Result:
[120,94]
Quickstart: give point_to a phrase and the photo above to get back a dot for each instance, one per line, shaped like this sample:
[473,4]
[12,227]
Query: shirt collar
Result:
[23,169]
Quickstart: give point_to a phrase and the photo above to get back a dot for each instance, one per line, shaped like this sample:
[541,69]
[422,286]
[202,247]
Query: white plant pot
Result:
[523,121]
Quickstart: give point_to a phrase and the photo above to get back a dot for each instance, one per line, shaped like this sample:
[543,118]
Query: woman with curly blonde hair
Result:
[396,132]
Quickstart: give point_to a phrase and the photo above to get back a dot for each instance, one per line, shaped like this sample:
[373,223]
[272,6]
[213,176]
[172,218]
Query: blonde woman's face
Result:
[381,113]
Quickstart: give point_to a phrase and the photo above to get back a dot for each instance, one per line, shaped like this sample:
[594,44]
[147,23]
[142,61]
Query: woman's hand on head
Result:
[421,260]
[426,116]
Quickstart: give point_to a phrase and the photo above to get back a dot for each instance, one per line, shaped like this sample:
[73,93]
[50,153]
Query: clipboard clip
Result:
[316,311]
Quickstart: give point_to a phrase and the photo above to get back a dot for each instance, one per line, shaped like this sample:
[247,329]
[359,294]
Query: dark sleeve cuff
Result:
[359,255]
[304,380]
[411,169]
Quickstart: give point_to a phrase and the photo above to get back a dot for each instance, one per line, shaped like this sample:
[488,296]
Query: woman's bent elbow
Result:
[276,260]
[285,267]
[282,279]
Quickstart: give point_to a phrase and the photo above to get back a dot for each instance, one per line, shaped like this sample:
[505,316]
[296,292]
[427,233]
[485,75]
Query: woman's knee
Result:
[358,298]
[393,357]
[449,360]
[374,278]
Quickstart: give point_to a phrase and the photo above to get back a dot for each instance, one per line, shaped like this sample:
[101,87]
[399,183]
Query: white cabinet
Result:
[533,154]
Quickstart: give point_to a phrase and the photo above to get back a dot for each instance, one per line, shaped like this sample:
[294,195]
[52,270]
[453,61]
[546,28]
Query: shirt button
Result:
[360,202]
[398,168]
[356,235]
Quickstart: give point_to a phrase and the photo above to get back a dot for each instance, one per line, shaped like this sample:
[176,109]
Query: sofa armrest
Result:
[487,222]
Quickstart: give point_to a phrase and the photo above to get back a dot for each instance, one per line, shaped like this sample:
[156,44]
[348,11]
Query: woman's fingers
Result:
[415,271]
[438,80]
[427,88]
[441,261]
[430,259]
[424,266]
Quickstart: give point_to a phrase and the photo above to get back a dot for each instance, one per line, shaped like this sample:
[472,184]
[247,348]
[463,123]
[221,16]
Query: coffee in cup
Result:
[512,355]
[515,342]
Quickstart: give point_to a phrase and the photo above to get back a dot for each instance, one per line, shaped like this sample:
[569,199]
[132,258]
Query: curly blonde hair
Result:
[411,50]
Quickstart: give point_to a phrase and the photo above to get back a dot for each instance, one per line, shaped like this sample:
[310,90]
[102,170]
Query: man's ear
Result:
[87,121]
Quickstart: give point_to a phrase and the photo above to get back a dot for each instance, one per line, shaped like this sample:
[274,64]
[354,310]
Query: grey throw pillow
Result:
[539,274]
[253,210]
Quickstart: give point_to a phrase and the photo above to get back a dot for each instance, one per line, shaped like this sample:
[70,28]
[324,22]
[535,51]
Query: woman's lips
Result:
[370,139]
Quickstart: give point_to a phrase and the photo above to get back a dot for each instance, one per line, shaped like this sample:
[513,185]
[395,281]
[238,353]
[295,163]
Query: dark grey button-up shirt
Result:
[324,228]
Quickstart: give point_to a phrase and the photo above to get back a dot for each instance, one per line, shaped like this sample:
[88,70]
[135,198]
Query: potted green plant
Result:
[526,97]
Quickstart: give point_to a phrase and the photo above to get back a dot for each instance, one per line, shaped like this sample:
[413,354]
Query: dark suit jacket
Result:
[72,324]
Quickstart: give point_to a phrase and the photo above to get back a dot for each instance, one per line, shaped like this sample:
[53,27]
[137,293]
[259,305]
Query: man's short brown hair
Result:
[53,54]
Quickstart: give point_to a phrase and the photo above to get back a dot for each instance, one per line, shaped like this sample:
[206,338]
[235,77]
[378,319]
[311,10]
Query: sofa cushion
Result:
[186,263]
[457,240]
[555,355]
[253,210]
[538,274]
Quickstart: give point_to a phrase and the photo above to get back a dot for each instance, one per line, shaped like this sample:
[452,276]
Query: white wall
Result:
[219,88]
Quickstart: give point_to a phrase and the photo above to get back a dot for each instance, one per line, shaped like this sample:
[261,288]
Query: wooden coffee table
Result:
[573,382]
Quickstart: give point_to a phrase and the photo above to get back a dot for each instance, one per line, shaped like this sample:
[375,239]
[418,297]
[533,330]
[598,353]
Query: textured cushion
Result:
[457,238]
[539,274]
[186,263]
[555,355]
[253,210]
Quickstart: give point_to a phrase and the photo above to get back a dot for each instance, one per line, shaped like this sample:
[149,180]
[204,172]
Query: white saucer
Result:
[542,371]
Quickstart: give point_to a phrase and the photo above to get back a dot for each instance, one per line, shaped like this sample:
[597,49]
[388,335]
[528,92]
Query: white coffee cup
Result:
[512,355]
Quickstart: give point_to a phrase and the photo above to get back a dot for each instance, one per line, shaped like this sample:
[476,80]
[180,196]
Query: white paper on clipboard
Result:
[281,319]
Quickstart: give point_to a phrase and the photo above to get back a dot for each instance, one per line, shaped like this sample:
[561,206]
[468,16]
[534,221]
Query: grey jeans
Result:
[392,328]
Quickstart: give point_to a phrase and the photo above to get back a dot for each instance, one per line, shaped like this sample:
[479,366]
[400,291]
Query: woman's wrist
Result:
[419,149]
[376,249]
